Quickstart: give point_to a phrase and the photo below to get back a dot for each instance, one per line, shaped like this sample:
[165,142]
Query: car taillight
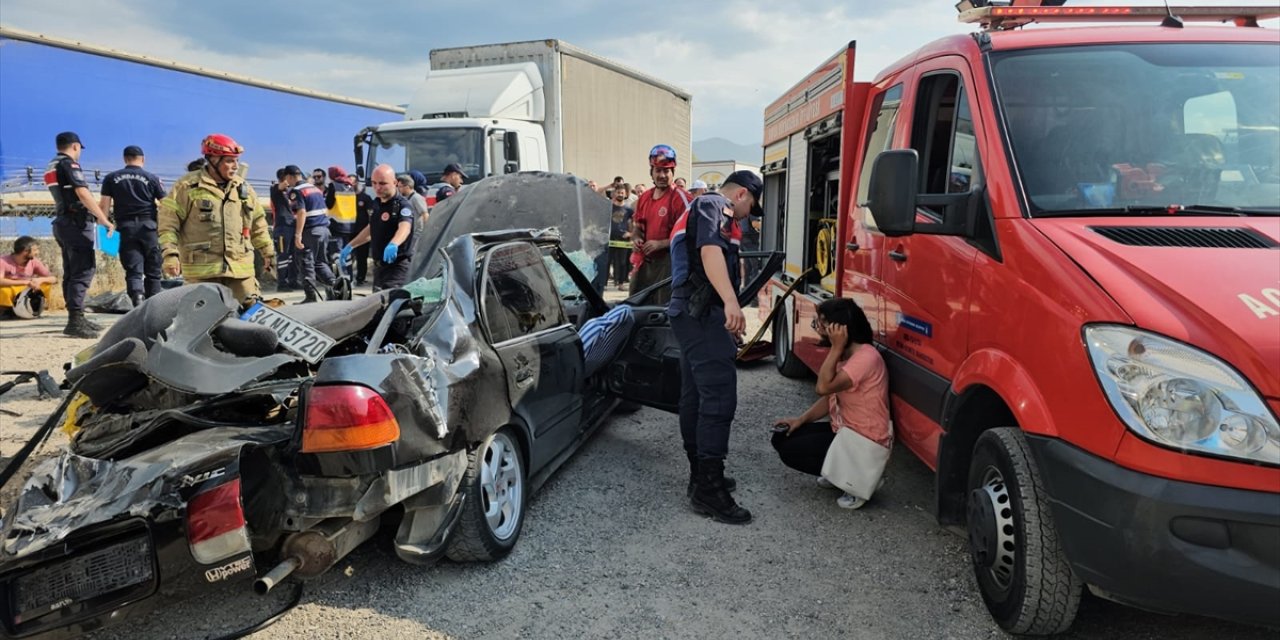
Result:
[215,524]
[347,418]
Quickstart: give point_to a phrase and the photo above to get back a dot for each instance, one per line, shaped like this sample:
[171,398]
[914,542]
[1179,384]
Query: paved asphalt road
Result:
[610,550]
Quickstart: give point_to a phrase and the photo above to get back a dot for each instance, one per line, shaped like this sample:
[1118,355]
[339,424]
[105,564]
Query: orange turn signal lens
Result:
[347,418]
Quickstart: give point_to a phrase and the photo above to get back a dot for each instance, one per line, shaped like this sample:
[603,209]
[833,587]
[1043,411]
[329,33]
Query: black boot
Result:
[711,498]
[729,483]
[78,327]
[313,295]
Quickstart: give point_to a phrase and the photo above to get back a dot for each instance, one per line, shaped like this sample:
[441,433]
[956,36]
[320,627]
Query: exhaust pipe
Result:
[311,553]
[263,585]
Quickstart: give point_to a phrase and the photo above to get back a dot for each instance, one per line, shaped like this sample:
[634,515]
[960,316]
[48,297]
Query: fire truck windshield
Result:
[1127,128]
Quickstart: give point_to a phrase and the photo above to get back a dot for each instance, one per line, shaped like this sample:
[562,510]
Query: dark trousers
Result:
[620,264]
[362,262]
[806,448]
[709,382]
[313,260]
[286,270]
[650,273]
[79,259]
[390,275]
[140,256]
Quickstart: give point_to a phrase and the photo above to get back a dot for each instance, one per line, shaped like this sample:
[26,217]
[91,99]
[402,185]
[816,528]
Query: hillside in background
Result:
[722,149]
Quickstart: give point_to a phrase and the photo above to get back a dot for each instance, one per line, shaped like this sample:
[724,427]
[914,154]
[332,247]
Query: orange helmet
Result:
[218,144]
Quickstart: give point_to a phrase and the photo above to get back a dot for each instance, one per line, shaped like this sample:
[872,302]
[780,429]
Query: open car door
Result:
[648,369]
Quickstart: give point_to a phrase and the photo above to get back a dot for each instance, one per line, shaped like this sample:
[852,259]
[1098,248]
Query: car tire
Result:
[1022,572]
[788,364]
[497,494]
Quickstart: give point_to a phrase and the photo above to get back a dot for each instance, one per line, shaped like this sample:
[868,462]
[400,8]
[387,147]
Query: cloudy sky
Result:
[734,56]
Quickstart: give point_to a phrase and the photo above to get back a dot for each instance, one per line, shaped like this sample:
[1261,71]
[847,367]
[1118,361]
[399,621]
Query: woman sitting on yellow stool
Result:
[25,282]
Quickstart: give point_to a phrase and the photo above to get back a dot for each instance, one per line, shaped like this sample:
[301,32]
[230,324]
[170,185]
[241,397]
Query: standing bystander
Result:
[620,239]
[656,213]
[404,184]
[282,228]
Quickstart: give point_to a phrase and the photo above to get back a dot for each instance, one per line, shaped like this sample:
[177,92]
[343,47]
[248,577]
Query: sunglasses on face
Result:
[817,322]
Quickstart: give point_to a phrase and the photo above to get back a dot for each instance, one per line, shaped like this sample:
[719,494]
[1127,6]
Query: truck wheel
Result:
[1023,575]
[788,364]
[496,497]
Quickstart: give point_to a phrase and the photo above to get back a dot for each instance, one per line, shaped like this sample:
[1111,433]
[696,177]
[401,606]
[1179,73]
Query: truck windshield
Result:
[429,150]
[1137,128]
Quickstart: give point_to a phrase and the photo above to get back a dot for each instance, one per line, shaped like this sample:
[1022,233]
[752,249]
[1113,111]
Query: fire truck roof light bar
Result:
[1005,17]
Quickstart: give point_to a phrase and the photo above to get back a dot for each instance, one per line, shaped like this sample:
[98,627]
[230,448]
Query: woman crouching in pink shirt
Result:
[853,391]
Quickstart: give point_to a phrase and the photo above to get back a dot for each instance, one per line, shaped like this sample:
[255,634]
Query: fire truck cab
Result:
[1067,240]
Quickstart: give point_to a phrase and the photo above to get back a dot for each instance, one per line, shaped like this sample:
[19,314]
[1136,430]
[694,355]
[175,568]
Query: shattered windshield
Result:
[429,150]
[1144,125]
[530,200]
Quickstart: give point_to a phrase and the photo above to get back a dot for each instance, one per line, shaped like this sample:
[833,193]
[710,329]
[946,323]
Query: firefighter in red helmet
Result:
[211,223]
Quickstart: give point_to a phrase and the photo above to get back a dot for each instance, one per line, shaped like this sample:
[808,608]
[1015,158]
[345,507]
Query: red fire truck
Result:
[1067,241]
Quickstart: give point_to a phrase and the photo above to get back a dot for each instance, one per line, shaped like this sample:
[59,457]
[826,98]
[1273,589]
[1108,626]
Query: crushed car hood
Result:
[530,200]
[1223,299]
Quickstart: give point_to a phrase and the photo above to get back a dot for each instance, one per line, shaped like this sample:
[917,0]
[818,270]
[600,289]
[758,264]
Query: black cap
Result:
[454,167]
[67,138]
[753,184]
[133,151]
[293,170]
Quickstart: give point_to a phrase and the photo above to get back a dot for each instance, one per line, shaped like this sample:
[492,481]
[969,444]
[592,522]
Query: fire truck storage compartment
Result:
[822,203]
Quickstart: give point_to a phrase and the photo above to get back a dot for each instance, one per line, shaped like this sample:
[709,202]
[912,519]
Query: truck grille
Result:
[1202,237]
[82,577]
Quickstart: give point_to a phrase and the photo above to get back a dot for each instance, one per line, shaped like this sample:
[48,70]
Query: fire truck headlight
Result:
[1181,397]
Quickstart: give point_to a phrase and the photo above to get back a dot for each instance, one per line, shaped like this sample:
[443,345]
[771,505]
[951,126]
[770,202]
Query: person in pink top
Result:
[853,390]
[23,270]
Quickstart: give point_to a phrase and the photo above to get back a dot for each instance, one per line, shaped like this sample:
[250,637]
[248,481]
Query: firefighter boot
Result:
[78,327]
[729,483]
[711,498]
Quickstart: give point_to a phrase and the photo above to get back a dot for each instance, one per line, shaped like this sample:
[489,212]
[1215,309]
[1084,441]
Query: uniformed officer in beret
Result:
[75,213]
[705,317]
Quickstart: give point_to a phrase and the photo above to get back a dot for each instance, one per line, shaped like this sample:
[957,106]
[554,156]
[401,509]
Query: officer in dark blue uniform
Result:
[389,232]
[705,317]
[134,192]
[282,231]
[76,211]
[311,233]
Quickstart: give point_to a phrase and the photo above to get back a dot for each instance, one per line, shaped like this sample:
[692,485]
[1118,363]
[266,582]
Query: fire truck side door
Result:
[927,277]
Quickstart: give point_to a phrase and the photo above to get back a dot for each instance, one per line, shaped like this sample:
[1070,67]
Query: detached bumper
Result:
[1163,544]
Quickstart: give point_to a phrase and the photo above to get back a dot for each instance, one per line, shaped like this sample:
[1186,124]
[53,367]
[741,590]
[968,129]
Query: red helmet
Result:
[662,156]
[217,144]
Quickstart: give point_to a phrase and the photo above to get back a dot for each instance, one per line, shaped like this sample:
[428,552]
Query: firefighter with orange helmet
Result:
[211,222]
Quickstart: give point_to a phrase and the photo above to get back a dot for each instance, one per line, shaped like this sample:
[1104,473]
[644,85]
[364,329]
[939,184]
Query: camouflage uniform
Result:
[214,229]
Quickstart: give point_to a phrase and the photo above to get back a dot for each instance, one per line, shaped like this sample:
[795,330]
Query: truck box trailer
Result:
[543,105]
[165,107]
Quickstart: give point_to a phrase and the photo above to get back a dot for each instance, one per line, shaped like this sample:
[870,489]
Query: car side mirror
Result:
[892,196]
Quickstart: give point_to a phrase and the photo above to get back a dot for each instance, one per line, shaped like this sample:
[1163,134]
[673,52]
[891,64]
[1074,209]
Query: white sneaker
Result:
[825,483]
[846,501]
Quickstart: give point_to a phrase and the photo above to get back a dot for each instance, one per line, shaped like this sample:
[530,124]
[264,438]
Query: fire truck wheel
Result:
[1023,575]
[788,364]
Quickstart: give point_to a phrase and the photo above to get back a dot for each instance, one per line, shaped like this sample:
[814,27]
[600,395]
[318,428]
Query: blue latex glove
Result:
[389,254]
[345,255]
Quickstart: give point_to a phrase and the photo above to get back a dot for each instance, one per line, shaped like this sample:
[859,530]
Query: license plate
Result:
[83,577]
[296,337]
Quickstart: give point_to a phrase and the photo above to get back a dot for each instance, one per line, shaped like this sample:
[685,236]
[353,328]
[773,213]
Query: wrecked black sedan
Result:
[218,445]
